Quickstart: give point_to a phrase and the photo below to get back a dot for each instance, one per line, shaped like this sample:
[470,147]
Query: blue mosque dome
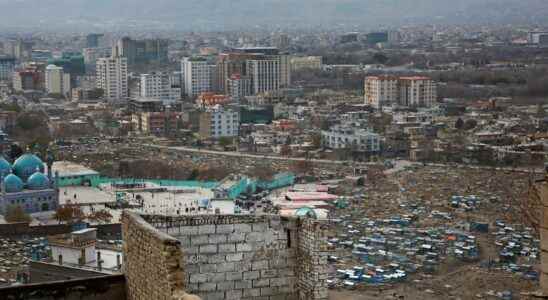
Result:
[26,165]
[38,181]
[13,184]
[5,166]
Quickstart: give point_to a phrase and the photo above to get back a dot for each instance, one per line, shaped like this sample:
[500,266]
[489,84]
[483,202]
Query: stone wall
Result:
[250,257]
[153,266]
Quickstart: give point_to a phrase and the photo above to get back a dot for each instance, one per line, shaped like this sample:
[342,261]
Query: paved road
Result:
[245,155]
[399,164]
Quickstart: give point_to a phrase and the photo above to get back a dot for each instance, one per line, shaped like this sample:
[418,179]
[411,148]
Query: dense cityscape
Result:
[275,159]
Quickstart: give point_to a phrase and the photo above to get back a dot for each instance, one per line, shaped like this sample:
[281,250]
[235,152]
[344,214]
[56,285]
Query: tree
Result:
[15,214]
[459,124]
[69,214]
[470,124]
[225,141]
[380,58]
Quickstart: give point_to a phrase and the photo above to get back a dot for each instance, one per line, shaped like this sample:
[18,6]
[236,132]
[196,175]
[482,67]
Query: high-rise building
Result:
[7,65]
[264,74]
[21,50]
[56,80]
[417,91]
[112,77]
[141,51]
[381,90]
[158,86]
[27,80]
[93,40]
[281,41]
[414,91]
[265,68]
[197,76]
[72,63]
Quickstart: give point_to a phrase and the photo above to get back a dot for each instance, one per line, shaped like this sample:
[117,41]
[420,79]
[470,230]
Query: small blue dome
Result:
[13,184]
[38,181]
[5,166]
[26,165]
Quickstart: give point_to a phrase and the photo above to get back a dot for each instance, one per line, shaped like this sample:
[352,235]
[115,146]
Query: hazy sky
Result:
[238,13]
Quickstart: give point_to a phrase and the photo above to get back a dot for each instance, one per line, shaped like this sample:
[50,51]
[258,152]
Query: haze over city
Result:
[273,149]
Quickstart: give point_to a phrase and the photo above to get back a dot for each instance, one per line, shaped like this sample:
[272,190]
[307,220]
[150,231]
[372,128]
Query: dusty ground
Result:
[431,187]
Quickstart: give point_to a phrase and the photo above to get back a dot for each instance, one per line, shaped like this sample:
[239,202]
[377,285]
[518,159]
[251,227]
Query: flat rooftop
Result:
[68,168]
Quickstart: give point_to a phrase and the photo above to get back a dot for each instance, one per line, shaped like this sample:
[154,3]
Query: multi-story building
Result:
[238,87]
[416,91]
[197,76]
[112,77]
[28,79]
[217,122]
[56,80]
[91,55]
[141,51]
[159,86]
[306,62]
[93,40]
[265,67]
[538,38]
[7,65]
[264,75]
[351,138]
[158,123]
[381,90]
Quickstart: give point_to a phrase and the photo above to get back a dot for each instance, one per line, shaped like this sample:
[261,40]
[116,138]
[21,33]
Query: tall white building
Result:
[112,77]
[416,91]
[197,76]
[265,75]
[56,81]
[381,90]
[159,86]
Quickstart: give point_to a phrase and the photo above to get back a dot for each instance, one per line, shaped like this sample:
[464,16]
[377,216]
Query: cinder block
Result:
[227,248]
[234,257]
[234,295]
[228,228]
[242,228]
[226,266]
[217,238]
[251,275]
[207,287]
[198,278]
[225,285]
[243,247]
[234,276]
[208,249]
[206,229]
[261,283]
[198,240]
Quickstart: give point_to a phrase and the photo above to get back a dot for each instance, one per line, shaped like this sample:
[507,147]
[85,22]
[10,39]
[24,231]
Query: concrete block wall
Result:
[250,257]
[153,264]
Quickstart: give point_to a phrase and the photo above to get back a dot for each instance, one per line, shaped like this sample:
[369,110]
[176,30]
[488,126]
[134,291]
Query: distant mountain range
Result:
[239,13]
